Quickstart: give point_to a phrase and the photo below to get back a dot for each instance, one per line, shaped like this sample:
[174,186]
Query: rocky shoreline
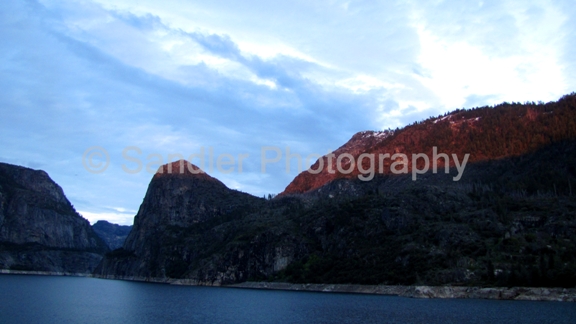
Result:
[499,293]
[44,273]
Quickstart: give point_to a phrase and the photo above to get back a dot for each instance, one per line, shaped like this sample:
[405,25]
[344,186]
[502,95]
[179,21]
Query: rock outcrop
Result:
[172,228]
[501,293]
[39,228]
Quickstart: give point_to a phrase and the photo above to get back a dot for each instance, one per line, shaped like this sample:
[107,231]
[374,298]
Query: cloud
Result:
[500,50]
[84,90]
[179,77]
[220,45]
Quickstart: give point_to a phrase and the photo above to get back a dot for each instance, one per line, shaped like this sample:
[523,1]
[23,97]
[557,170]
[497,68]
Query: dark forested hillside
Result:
[510,222]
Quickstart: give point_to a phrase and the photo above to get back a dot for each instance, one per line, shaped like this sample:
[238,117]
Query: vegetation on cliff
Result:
[486,133]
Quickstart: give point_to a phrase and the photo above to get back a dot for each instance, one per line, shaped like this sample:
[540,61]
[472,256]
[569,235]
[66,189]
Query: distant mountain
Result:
[113,234]
[39,228]
[510,220]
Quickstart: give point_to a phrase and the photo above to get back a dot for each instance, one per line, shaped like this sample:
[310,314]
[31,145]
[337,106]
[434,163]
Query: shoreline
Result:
[45,273]
[440,292]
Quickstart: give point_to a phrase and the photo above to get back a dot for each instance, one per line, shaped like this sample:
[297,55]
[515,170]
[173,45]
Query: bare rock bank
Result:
[502,293]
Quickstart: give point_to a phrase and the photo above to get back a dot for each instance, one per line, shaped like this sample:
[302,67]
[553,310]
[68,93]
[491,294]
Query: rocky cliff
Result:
[39,228]
[176,225]
[113,235]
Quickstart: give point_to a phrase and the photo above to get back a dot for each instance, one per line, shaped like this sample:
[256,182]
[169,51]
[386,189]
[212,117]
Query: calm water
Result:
[39,299]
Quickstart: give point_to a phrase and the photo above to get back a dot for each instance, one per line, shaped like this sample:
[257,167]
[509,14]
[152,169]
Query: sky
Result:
[100,93]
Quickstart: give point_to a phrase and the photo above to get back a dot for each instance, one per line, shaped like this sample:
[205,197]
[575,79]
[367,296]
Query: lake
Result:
[53,299]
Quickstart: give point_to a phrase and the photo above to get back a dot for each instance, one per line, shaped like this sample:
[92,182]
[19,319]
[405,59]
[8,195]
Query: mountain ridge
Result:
[390,230]
[486,133]
[113,234]
[505,222]
[508,221]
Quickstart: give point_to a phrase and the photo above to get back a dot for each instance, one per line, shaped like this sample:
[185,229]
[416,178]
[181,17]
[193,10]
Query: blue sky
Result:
[175,77]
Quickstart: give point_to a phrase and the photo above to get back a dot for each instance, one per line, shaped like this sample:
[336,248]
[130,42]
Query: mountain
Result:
[485,133]
[179,197]
[509,220]
[113,234]
[39,228]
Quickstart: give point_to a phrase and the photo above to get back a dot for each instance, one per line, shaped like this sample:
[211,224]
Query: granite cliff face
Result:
[180,195]
[172,227]
[39,228]
[113,235]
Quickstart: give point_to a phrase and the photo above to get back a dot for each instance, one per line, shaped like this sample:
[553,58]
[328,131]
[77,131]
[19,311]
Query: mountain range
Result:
[509,219]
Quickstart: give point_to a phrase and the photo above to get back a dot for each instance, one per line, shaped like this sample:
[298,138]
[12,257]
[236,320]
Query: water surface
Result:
[52,299]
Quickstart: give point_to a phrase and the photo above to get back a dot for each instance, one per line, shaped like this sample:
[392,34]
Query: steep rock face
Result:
[180,195]
[39,228]
[113,234]
[485,133]
[169,227]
